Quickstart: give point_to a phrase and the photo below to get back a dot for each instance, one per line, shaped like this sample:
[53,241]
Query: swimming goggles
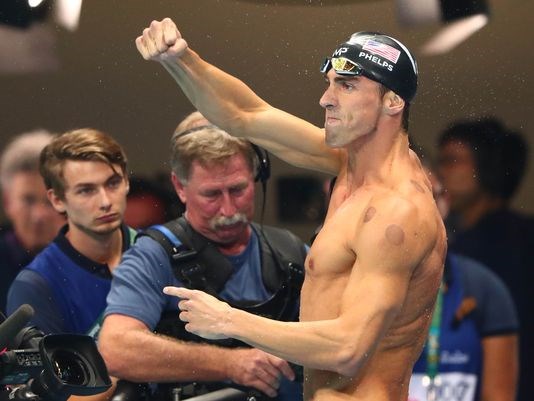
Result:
[342,66]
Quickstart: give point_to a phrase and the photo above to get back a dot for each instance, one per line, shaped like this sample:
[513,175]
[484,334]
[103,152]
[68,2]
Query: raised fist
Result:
[161,41]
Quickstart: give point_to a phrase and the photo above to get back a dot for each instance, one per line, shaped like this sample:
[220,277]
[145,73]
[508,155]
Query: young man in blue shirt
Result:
[67,283]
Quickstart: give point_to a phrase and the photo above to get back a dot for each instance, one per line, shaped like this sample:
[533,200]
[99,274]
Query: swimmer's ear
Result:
[393,103]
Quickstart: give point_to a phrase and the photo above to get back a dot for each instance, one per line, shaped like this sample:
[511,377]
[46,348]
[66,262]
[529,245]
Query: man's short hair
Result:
[500,154]
[193,120]
[84,144]
[208,145]
[22,155]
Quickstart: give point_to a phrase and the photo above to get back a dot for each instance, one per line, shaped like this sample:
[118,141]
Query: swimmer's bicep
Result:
[371,302]
[386,254]
[378,282]
[373,297]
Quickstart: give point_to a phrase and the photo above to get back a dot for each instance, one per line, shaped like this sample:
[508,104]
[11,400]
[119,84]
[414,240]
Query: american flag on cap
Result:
[382,49]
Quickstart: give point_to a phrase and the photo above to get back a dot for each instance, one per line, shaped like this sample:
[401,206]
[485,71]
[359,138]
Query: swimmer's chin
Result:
[332,143]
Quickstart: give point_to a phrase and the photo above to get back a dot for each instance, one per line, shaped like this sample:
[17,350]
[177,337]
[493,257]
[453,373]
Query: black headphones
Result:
[263,168]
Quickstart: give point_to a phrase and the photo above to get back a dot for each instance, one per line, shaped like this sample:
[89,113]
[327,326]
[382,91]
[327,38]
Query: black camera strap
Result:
[196,261]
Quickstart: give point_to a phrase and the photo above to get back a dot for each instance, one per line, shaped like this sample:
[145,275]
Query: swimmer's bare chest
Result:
[331,259]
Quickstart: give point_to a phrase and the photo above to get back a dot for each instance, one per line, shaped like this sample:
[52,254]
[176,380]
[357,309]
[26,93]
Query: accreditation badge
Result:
[452,386]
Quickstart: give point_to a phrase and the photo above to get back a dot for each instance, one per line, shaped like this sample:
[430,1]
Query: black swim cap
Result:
[378,57]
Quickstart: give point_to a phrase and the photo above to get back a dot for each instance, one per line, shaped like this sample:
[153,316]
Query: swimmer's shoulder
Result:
[392,228]
[401,208]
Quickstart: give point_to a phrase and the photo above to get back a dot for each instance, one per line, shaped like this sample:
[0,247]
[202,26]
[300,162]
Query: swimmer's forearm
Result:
[323,345]
[220,97]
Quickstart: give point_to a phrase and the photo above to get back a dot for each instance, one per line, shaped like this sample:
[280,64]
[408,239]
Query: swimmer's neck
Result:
[376,160]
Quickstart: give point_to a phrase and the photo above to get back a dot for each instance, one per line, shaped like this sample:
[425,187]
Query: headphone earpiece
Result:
[263,171]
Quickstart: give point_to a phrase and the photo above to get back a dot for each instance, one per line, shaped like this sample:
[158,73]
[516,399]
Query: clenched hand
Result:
[161,41]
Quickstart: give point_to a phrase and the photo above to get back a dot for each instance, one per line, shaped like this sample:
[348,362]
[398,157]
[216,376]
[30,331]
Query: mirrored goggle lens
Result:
[341,66]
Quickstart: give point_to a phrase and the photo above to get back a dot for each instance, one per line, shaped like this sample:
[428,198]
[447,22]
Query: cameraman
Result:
[213,175]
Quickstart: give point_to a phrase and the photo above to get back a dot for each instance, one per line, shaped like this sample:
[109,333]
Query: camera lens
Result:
[70,368]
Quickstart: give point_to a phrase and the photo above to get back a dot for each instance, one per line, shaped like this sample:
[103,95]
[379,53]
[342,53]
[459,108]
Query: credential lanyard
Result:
[432,356]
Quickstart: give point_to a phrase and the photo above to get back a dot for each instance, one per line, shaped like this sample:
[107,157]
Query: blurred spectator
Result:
[481,164]
[475,334]
[33,222]
[150,203]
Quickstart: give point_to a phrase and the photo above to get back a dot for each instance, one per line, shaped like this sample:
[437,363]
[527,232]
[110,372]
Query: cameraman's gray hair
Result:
[193,120]
[208,145]
[22,154]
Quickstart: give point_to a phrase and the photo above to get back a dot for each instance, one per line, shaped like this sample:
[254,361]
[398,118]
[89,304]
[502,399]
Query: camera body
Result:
[54,368]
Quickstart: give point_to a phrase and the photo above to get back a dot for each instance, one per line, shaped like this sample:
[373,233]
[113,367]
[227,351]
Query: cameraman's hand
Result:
[105,396]
[259,370]
[161,41]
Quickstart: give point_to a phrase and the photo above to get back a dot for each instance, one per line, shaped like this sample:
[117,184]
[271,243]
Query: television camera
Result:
[48,367]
